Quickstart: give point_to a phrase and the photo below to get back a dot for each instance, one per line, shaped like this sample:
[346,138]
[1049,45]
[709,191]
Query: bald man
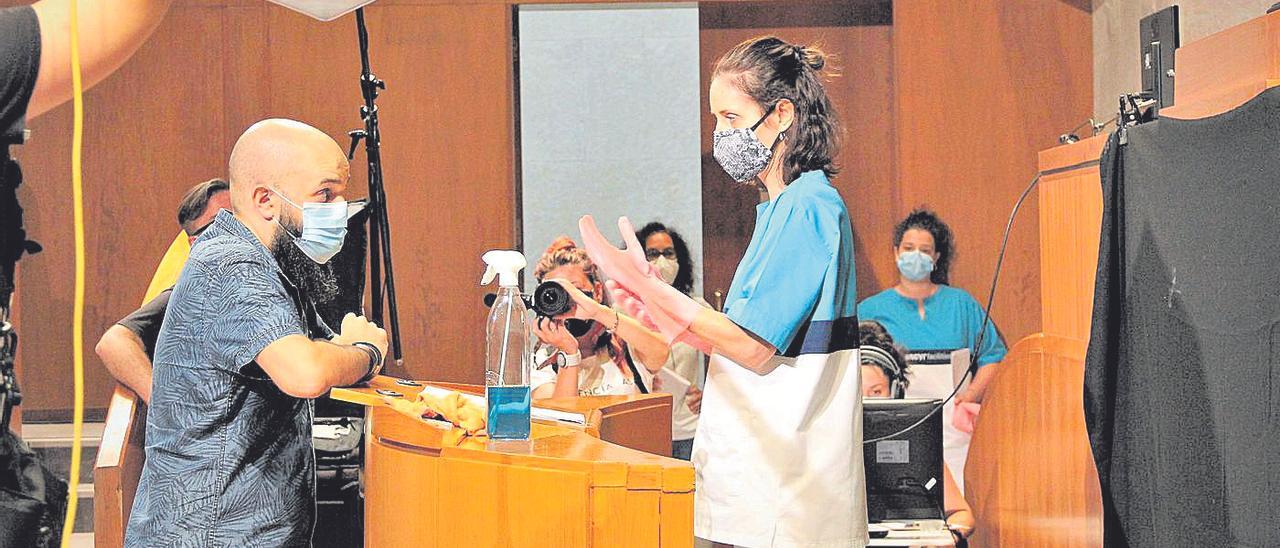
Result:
[242,352]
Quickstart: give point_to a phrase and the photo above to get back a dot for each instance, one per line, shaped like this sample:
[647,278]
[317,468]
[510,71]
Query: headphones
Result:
[874,355]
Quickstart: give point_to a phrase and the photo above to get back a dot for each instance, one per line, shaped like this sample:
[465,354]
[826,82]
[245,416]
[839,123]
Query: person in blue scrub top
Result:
[778,449]
[922,312]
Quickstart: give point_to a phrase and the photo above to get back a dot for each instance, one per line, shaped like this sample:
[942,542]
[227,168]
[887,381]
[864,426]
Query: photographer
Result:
[598,351]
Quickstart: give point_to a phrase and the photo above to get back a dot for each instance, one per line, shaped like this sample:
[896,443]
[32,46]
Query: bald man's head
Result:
[286,157]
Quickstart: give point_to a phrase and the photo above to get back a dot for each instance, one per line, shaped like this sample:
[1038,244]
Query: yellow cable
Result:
[77,318]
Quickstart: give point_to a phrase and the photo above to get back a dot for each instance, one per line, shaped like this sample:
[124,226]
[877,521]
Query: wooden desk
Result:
[426,486]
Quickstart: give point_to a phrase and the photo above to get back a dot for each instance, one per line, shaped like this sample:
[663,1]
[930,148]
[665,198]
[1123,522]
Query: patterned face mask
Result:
[740,152]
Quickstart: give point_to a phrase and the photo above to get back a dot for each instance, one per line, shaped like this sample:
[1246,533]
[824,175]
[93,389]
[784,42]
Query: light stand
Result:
[13,245]
[10,395]
[379,226]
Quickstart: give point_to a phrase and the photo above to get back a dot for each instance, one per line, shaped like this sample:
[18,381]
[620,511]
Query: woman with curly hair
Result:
[931,318]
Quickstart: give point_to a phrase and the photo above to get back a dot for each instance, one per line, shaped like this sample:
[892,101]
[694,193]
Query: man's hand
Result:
[359,329]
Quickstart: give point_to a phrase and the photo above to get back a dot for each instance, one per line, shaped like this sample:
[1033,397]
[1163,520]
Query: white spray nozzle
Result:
[504,264]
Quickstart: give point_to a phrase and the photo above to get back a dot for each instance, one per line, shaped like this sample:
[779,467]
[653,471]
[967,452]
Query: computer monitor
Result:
[903,473]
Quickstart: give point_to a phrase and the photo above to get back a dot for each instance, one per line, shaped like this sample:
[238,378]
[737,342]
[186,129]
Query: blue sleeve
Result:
[993,349]
[251,309]
[784,285]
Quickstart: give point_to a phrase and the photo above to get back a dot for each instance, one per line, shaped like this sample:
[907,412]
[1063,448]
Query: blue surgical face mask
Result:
[915,265]
[324,228]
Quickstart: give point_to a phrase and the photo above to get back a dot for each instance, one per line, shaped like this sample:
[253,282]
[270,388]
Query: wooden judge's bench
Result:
[601,483]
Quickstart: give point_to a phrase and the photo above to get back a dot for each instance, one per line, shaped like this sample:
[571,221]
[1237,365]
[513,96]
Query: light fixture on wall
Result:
[324,10]
[379,226]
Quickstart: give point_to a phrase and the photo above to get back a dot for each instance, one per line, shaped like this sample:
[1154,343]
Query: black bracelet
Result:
[375,360]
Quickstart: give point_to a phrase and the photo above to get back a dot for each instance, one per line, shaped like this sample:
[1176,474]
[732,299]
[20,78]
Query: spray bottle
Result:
[507,360]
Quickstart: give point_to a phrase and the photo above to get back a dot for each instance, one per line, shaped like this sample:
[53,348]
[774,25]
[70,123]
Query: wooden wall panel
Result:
[149,135]
[1071,212]
[981,87]
[169,117]
[858,36]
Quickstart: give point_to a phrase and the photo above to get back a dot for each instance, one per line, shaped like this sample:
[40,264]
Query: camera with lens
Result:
[549,300]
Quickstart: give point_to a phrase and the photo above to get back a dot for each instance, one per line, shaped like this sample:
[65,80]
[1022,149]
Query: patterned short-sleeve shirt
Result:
[229,460]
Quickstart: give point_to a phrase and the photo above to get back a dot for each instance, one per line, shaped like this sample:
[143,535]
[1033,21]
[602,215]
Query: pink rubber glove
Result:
[965,417]
[631,305]
[669,310]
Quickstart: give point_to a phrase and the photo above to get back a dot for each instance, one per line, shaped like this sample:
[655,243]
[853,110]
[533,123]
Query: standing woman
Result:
[928,316]
[669,255]
[923,312]
[778,451]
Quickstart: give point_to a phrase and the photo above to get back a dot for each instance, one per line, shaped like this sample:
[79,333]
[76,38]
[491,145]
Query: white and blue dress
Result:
[779,456]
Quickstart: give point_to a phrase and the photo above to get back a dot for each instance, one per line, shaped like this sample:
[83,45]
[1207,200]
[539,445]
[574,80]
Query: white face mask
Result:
[667,269]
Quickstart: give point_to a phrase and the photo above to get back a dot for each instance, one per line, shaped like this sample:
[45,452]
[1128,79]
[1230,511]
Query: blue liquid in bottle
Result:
[508,412]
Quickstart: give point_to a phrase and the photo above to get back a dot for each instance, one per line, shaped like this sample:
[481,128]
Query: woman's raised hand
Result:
[585,307]
[627,266]
[655,318]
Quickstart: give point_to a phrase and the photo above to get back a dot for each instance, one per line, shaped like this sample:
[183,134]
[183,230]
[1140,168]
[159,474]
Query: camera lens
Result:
[551,300]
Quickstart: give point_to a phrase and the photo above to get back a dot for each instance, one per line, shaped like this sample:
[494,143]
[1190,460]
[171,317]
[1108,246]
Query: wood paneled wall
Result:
[1071,203]
[945,104]
[169,117]
[981,88]
[859,39]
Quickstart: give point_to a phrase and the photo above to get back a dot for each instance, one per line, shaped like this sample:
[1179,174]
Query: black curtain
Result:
[1182,375]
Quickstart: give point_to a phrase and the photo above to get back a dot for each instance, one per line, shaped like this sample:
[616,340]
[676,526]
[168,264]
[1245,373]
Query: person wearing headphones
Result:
[933,320]
[884,375]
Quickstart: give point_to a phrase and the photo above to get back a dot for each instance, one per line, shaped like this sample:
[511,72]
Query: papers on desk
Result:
[442,392]
[541,413]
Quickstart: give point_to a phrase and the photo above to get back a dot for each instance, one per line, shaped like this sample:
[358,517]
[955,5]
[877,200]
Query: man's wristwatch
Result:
[568,360]
[375,360]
